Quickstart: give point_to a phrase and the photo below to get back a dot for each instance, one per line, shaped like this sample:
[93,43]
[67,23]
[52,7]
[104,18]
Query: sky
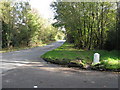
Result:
[43,6]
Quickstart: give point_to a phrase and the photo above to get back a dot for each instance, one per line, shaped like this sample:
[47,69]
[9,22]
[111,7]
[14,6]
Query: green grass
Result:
[3,50]
[67,53]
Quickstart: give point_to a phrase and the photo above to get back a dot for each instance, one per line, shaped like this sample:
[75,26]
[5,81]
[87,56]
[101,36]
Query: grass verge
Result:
[3,50]
[71,57]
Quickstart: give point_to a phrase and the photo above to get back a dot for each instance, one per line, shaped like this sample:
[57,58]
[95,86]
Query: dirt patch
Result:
[80,65]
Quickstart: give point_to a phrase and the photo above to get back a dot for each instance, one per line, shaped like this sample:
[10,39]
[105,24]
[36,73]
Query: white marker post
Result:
[35,86]
[96,58]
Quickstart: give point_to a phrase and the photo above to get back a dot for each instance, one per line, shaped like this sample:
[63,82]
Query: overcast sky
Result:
[43,6]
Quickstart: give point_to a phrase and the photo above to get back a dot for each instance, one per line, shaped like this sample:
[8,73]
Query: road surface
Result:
[25,69]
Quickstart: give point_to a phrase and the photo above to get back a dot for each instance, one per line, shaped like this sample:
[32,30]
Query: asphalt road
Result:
[25,69]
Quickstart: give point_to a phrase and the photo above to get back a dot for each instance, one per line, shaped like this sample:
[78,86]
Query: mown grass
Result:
[67,53]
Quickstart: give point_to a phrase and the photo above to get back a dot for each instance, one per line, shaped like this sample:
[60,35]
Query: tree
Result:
[23,26]
[86,23]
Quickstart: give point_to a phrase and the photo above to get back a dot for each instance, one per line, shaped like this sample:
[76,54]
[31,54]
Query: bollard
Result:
[96,58]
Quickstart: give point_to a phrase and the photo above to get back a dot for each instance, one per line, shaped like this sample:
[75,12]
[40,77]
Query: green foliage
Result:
[23,26]
[88,24]
[111,63]
[60,35]
[113,34]
[68,54]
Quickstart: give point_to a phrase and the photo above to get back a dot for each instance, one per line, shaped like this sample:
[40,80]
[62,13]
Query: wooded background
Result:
[90,25]
[22,25]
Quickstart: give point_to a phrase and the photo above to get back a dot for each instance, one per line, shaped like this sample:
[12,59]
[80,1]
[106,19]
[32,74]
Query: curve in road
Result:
[25,69]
